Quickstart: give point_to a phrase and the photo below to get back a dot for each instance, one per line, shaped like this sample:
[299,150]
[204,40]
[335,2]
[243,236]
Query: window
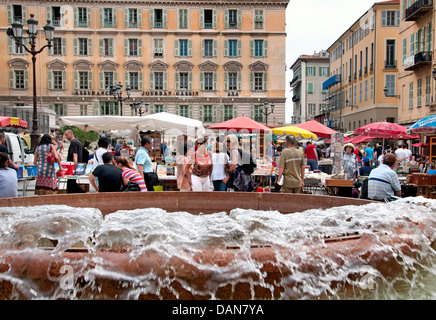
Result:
[208,113]
[133,47]
[258,115]
[56,16]
[390,84]
[109,108]
[324,71]
[258,81]
[208,19]
[419,93]
[390,18]
[57,46]
[134,80]
[183,48]
[83,46]
[390,54]
[208,81]
[59,109]
[184,111]
[208,48]
[82,17]
[372,87]
[108,17]
[108,79]
[310,88]
[83,80]
[133,18]
[233,18]
[233,48]
[310,71]
[411,95]
[258,19]
[158,81]
[107,47]
[233,81]
[312,108]
[258,48]
[83,110]
[158,18]
[158,47]
[18,14]
[19,79]
[228,112]
[158,108]
[57,80]
[184,80]
[360,92]
[429,37]
[366,90]
[183,18]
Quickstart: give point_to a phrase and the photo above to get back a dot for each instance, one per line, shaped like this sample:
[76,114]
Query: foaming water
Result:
[300,242]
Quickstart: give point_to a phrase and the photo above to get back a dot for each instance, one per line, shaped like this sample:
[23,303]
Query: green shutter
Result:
[177,81]
[189,48]
[165,18]
[101,80]
[89,43]
[215,47]
[190,84]
[201,19]
[11,79]
[50,80]
[265,48]
[26,79]
[10,14]
[88,17]
[101,17]
[215,81]
[126,47]
[76,48]
[101,47]
[64,80]
[201,81]
[140,81]
[165,80]
[76,80]
[176,48]
[214,19]
[75,16]
[152,80]
[226,80]
[239,22]
[239,85]
[126,18]
[64,46]
[265,81]
[201,113]
[140,47]
[239,44]
[139,14]
[90,84]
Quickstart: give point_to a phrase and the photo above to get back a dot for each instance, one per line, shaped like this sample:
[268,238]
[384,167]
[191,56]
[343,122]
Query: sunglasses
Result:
[199,143]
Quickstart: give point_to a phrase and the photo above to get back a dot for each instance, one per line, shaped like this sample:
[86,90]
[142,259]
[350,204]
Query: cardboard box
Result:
[421,178]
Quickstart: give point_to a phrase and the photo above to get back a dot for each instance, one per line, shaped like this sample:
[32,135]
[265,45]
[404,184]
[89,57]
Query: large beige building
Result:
[206,60]
[416,82]
[364,63]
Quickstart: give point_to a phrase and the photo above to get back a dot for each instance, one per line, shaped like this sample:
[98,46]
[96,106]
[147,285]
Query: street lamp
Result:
[386,90]
[264,109]
[117,93]
[138,107]
[16,32]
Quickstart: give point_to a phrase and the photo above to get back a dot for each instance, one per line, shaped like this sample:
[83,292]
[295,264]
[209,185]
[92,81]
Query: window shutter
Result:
[101,17]
[189,48]
[111,47]
[423,39]
[126,79]
[201,81]
[140,81]
[47,14]
[165,80]
[201,113]
[404,49]
[50,80]
[239,85]
[251,48]
[226,48]
[226,19]
[239,43]
[177,110]
[151,15]
[24,13]
[383,19]
[76,80]
[115,77]
[412,44]
[26,79]
[139,14]
[90,84]
[190,84]
[215,81]
[265,81]
[215,47]
[397,18]
[202,47]
[176,48]
[235,111]
[152,80]
[63,12]
[114,18]
[165,108]
[126,47]
[251,81]
[101,82]
[215,113]
[75,16]
[126,18]
[239,22]
[64,46]
[89,43]
[252,112]
[64,80]
[101,47]
[165,18]
[75,41]
[416,42]
[10,16]
[265,49]
[12,79]
[140,47]
[214,19]
[96,108]
[190,112]
[226,80]
[11,43]
[177,81]
[201,18]
[88,17]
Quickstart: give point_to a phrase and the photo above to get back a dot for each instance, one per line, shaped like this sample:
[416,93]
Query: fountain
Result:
[174,245]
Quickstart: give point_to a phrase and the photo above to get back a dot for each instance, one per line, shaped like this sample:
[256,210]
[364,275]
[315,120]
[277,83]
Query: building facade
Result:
[416,77]
[309,73]
[364,63]
[205,60]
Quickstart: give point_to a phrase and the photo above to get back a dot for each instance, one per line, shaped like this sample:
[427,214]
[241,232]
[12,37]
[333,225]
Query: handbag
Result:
[131,186]
[51,157]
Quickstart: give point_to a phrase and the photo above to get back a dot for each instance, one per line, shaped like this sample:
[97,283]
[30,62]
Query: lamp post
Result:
[137,106]
[16,32]
[117,93]
[265,110]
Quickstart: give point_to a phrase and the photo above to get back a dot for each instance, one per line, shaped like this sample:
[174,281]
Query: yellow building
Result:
[363,62]
[204,60]
[416,84]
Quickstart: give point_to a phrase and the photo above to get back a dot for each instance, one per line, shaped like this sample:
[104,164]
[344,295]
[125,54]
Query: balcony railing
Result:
[295,81]
[331,81]
[296,98]
[418,60]
[208,25]
[418,9]
[390,64]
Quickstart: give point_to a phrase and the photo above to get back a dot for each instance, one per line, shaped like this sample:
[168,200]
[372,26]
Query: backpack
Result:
[248,163]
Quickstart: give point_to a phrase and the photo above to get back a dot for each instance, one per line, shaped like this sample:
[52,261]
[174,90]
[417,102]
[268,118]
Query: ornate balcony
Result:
[418,60]
[418,9]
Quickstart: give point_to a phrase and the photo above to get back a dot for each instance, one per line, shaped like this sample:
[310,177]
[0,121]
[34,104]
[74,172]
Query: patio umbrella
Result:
[12,122]
[360,139]
[241,123]
[425,125]
[295,131]
[318,128]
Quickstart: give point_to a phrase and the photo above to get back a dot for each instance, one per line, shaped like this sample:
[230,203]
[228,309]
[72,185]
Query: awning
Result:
[12,122]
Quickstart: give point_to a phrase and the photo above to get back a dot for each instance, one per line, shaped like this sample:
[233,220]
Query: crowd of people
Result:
[202,165]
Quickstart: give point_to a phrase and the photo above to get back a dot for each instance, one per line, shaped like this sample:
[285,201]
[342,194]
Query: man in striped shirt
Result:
[383,181]
[291,166]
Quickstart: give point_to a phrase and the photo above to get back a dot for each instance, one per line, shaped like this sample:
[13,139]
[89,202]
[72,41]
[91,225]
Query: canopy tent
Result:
[241,123]
[12,122]
[160,121]
[316,127]
[295,131]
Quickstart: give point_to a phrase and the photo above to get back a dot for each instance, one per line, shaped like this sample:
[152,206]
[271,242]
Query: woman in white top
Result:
[219,160]
[8,178]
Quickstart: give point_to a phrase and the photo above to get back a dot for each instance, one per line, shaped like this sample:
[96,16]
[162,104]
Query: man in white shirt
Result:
[401,155]
[408,153]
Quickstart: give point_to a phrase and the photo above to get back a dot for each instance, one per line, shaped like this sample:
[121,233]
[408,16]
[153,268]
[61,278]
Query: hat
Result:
[366,160]
[349,145]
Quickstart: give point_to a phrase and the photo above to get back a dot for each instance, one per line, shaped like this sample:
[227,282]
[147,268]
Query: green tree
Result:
[85,137]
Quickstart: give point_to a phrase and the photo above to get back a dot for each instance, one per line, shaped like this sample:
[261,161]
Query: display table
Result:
[338,187]
[26,182]
[62,181]
[167,181]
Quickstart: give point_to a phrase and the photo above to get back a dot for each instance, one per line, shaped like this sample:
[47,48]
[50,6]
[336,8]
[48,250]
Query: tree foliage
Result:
[90,136]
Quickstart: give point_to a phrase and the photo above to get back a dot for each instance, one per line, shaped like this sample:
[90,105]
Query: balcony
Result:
[331,81]
[418,9]
[296,98]
[390,64]
[295,82]
[418,60]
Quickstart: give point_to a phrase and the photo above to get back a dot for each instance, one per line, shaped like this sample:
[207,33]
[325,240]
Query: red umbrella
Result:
[360,139]
[385,130]
[12,122]
[318,128]
[241,123]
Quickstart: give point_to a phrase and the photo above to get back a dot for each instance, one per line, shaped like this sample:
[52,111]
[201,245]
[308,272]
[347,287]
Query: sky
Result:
[313,25]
